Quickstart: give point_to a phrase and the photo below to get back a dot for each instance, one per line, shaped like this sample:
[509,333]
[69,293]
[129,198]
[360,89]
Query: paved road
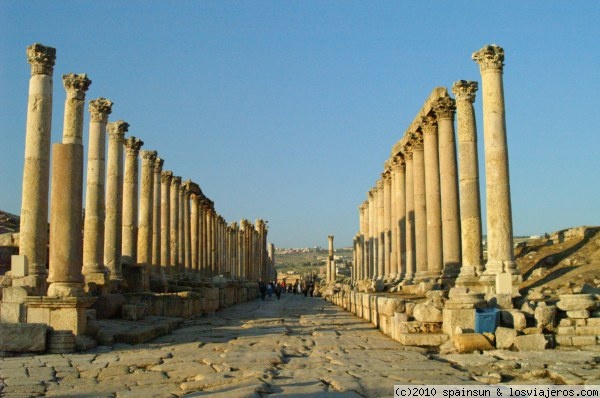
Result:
[302,347]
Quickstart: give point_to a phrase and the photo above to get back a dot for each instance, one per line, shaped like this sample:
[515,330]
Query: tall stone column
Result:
[381,255]
[181,229]
[394,240]
[144,241]
[66,240]
[432,197]
[34,200]
[400,215]
[410,216]
[470,210]
[420,206]
[387,225]
[202,226]
[194,216]
[363,226]
[174,226]
[331,259]
[156,215]
[130,200]
[444,110]
[499,214]
[187,241]
[114,201]
[165,221]
[93,233]
[372,234]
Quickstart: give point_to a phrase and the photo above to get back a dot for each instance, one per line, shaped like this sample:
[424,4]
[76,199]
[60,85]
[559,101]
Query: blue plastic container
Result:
[486,320]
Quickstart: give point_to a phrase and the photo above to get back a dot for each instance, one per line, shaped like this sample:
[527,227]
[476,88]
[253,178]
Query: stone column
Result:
[174,226]
[387,224]
[393,238]
[499,215]
[130,200]
[470,210]
[372,234]
[420,206]
[202,226]
[194,216]
[66,240]
[93,233]
[444,110]
[432,197]
[34,200]
[410,216]
[381,255]
[156,216]
[331,259]
[181,229]
[144,241]
[165,221]
[187,244]
[114,201]
[400,215]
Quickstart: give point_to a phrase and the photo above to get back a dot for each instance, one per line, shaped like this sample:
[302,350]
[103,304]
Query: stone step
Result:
[422,339]
[114,331]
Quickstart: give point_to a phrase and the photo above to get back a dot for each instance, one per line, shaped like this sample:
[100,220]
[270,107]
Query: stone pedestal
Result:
[36,168]
[65,313]
[459,310]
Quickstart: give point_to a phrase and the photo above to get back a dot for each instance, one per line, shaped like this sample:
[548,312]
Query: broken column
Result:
[34,203]
[93,234]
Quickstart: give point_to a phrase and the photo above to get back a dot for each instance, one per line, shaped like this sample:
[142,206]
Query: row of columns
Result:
[145,219]
[414,225]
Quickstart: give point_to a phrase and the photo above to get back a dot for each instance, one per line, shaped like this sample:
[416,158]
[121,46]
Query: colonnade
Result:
[141,222]
[414,225]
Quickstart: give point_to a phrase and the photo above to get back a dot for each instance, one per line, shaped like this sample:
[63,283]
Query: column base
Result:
[60,313]
[65,290]
[95,283]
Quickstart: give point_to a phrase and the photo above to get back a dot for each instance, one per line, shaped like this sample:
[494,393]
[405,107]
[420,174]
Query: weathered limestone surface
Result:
[130,200]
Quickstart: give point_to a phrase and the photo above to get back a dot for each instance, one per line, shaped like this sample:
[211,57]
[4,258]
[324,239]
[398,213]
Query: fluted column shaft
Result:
[156,216]
[444,110]
[499,214]
[93,232]
[66,222]
[130,200]
[114,201]
[470,207]
[432,198]
[33,239]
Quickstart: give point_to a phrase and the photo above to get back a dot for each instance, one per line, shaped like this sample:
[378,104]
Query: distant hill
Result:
[9,222]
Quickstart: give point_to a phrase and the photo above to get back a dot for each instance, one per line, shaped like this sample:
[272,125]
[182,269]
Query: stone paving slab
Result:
[298,346]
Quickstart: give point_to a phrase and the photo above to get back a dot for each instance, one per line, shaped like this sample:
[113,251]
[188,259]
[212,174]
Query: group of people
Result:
[278,288]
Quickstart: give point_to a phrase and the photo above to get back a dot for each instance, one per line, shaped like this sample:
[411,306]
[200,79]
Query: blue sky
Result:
[287,110]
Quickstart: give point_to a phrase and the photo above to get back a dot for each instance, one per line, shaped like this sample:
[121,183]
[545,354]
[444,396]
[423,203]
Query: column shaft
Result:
[130,200]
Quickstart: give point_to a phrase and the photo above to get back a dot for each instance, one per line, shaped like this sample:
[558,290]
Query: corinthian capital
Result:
[117,130]
[76,85]
[99,109]
[398,163]
[41,59]
[148,157]
[464,90]
[444,108]
[428,125]
[133,145]
[489,57]
[176,180]
[158,164]
[417,140]
[166,176]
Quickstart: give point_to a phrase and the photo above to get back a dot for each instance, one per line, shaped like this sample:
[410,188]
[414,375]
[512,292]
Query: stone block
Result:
[576,302]
[463,318]
[422,339]
[583,340]
[427,313]
[564,330]
[531,342]
[563,340]
[587,330]
[513,319]
[593,322]
[469,342]
[505,338]
[109,306]
[501,300]
[545,317]
[129,312]
[578,314]
[23,337]
[19,266]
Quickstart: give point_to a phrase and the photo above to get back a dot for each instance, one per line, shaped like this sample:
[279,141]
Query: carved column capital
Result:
[166,176]
[41,59]
[444,108]
[76,85]
[133,145]
[464,90]
[490,57]
[379,184]
[148,157]
[176,180]
[428,125]
[417,141]
[117,130]
[158,164]
[398,163]
[99,110]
